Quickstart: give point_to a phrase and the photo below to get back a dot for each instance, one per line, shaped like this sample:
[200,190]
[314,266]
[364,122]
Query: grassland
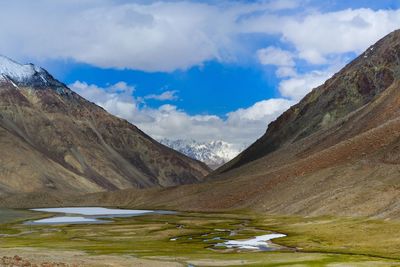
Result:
[322,241]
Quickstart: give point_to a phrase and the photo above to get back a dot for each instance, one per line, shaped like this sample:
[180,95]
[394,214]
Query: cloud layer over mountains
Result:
[237,128]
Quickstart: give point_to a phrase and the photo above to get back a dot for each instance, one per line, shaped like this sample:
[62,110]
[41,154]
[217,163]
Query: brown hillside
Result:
[53,140]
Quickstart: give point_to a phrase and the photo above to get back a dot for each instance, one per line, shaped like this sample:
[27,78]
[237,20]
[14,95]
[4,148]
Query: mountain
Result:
[336,152]
[53,140]
[213,153]
[359,83]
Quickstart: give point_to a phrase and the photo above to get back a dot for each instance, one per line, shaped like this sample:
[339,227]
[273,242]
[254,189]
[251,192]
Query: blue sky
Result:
[214,88]
[206,70]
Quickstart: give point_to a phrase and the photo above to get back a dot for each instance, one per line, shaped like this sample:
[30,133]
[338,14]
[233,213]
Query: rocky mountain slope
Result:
[53,140]
[336,152]
[350,89]
[213,153]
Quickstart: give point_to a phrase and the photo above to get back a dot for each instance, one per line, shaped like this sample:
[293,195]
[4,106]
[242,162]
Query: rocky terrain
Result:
[33,257]
[17,261]
[53,140]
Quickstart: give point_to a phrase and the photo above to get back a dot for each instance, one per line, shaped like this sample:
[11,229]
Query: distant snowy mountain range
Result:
[213,153]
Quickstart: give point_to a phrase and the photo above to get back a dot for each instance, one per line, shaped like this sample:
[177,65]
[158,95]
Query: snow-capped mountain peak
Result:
[17,72]
[213,153]
[25,74]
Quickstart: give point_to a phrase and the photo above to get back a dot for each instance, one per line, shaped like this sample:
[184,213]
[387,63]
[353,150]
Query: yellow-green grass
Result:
[323,241]
[361,236]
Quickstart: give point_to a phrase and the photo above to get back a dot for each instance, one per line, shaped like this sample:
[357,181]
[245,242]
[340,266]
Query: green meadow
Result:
[190,238]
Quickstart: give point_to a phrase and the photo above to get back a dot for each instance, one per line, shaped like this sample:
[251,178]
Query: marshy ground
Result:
[189,238]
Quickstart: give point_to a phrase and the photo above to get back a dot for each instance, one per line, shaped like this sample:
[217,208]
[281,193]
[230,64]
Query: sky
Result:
[186,69]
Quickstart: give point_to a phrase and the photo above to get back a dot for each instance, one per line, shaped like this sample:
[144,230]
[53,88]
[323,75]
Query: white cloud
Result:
[265,110]
[315,35]
[275,56]
[283,59]
[164,96]
[117,99]
[153,36]
[239,127]
[294,85]
[319,41]
[298,86]
[170,35]
[352,30]
[242,126]
[283,72]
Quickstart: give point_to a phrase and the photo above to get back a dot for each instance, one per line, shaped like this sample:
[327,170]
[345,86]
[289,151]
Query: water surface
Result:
[89,215]
[66,220]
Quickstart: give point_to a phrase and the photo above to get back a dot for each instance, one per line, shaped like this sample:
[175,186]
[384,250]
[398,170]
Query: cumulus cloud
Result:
[294,85]
[265,110]
[152,36]
[275,56]
[171,35]
[164,96]
[298,86]
[319,42]
[352,30]
[282,59]
[117,98]
[315,35]
[239,127]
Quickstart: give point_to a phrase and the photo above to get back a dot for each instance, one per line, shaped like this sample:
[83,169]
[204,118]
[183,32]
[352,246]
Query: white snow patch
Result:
[257,243]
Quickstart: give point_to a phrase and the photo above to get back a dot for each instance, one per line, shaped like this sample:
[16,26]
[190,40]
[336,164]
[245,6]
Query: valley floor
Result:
[186,239]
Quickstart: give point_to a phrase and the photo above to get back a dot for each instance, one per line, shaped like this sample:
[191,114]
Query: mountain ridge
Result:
[62,142]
